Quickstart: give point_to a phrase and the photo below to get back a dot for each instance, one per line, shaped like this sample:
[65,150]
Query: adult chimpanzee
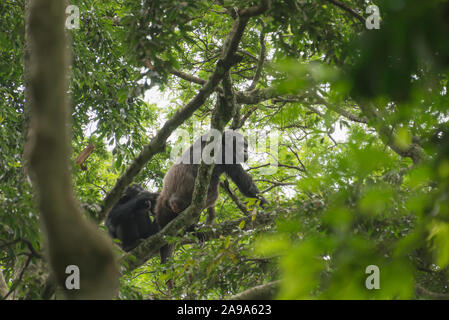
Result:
[129,220]
[179,181]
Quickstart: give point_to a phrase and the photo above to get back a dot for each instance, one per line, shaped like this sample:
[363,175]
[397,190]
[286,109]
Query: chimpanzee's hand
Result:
[143,200]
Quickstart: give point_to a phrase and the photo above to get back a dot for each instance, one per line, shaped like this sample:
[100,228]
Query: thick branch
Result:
[261,60]
[263,292]
[231,100]
[72,240]
[190,78]
[3,286]
[225,185]
[256,96]
[232,227]
[346,114]
[421,291]
[229,95]
[150,247]
[263,6]
[211,216]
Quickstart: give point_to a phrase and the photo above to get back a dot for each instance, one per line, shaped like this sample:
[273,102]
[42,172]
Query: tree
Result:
[361,160]
[71,240]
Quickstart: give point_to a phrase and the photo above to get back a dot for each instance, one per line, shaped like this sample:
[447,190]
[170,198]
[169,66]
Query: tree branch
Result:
[190,78]
[151,246]
[263,292]
[72,240]
[247,97]
[3,286]
[232,227]
[421,291]
[256,96]
[225,185]
[261,60]
[263,6]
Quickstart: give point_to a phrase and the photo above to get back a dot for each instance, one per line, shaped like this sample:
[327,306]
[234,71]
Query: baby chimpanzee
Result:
[129,220]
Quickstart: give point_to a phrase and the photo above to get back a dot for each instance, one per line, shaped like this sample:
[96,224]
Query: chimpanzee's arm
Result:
[242,179]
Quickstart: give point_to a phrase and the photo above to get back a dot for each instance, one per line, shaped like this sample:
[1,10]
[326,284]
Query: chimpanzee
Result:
[129,220]
[179,180]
